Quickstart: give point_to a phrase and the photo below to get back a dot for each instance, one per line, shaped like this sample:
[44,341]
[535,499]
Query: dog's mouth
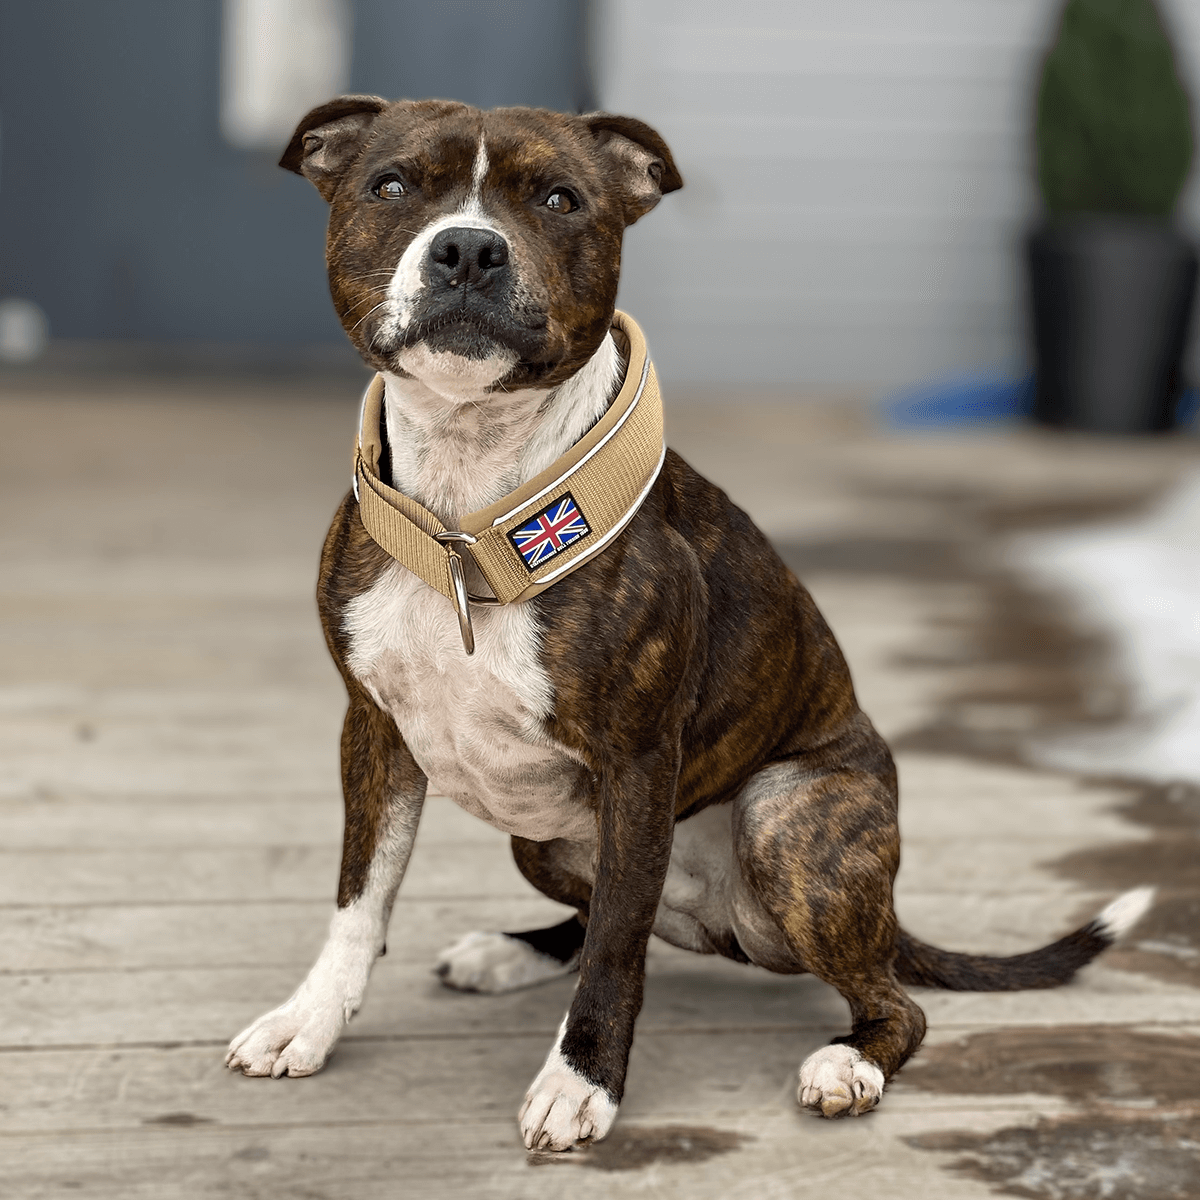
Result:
[467,334]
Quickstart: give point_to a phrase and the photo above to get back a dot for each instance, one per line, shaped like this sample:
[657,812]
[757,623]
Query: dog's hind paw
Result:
[496,962]
[837,1081]
[289,1040]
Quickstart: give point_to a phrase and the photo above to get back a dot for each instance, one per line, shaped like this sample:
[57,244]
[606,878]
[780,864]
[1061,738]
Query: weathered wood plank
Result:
[283,933]
[100,822]
[783,1154]
[171,823]
[280,872]
[405,998]
[683,991]
[448,1079]
[301,872]
[294,818]
[290,932]
[942,798]
[229,736]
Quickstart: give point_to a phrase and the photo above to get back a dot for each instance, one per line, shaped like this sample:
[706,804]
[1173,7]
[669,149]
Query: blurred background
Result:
[859,173]
[845,312]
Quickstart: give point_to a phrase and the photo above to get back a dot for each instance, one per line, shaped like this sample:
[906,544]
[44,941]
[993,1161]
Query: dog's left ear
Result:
[329,138]
[640,157]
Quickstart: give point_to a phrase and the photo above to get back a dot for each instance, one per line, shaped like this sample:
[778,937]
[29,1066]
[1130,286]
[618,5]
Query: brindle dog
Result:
[669,733]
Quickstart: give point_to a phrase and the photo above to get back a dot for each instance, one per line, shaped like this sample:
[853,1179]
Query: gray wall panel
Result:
[125,214]
[859,181]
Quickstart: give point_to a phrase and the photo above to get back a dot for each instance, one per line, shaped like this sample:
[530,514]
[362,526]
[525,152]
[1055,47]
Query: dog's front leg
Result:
[384,791]
[576,1094]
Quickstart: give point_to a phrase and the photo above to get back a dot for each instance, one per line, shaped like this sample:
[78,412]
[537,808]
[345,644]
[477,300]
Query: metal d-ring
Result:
[458,583]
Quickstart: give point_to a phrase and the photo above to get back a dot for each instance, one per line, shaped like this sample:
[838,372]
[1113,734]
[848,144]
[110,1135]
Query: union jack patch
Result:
[550,531]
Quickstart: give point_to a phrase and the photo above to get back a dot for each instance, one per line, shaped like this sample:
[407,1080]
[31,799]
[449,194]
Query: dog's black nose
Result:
[467,257]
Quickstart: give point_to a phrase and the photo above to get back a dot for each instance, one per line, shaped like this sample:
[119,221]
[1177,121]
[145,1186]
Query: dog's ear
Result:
[641,158]
[328,140]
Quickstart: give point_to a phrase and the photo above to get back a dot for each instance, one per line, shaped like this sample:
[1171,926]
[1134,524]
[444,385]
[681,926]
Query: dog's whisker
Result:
[366,315]
[368,275]
[365,300]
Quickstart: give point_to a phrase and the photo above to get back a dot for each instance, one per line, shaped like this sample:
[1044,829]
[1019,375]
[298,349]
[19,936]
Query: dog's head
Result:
[482,246]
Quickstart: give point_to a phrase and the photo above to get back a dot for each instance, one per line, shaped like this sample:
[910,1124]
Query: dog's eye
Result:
[561,201]
[389,189]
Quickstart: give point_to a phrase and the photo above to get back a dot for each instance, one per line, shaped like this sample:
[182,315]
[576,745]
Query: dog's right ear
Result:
[328,140]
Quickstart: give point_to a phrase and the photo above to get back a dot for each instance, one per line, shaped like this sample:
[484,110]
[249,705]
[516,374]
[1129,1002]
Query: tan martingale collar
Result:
[548,527]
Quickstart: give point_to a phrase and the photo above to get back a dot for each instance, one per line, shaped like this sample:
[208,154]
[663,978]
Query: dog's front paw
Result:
[495,962]
[290,1040]
[837,1081]
[562,1108]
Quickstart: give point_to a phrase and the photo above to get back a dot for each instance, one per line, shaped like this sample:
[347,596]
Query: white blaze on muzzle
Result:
[410,280]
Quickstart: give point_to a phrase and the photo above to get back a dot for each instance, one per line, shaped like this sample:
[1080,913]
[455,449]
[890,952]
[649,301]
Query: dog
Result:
[668,733]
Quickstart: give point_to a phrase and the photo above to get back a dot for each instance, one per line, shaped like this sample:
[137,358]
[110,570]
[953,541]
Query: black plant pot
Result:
[1112,299]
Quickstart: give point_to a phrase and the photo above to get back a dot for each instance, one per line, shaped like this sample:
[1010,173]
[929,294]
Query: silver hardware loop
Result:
[458,582]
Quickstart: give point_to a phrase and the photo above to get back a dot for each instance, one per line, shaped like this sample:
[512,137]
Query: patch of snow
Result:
[1139,581]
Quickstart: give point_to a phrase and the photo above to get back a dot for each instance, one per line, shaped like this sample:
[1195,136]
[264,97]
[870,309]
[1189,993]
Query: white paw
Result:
[495,962]
[562,1108]
[838,1080]
[293,1039]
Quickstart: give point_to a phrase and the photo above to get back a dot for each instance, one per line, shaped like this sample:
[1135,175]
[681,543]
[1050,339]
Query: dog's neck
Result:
[457,450]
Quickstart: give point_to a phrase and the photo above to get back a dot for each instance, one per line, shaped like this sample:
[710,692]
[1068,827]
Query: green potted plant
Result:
[1112,278]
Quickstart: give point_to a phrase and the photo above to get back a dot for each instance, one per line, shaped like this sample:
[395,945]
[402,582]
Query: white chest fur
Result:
[473,724]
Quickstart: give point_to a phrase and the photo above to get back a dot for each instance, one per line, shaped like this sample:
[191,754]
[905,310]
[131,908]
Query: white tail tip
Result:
[1125,912]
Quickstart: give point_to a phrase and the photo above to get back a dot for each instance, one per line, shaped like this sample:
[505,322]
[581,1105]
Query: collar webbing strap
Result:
[549,526]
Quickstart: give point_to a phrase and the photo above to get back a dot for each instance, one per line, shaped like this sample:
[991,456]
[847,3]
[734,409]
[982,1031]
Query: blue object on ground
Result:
[976,398]
[1189,406]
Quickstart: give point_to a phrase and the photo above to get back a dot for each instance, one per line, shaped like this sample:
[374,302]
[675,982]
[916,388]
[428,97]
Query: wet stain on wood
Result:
[1134,1136]
[632,1147]
[1109,1064]
[178,1119]
[1081,1158]
[1026,668]
[1167,941]
[1022,663]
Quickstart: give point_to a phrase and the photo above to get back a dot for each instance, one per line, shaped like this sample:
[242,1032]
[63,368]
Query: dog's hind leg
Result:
[384,791]
[819,850]
[504,962]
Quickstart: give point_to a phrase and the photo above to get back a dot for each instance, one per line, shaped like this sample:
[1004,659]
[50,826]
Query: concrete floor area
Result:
[170,828]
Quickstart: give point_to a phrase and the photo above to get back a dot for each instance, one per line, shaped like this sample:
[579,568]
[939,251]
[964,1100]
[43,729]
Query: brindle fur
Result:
[568,311]
[686,617]
[685,660]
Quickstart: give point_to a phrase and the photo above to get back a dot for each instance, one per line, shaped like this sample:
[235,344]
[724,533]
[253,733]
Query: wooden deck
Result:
[170,824]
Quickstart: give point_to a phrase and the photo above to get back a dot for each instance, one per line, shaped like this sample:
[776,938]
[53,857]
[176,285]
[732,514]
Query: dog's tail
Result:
[927,966]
